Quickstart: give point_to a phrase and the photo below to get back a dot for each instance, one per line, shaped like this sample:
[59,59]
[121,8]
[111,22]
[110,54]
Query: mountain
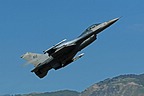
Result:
[57,93]
[123,85]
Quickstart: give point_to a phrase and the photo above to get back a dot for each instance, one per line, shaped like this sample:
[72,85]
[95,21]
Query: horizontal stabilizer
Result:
[34,58]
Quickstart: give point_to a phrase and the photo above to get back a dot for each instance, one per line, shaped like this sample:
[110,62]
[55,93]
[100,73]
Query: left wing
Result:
[53,48]
[64,49]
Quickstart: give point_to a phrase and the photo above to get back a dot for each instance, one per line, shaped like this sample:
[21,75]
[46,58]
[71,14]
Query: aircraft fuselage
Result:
[64,53]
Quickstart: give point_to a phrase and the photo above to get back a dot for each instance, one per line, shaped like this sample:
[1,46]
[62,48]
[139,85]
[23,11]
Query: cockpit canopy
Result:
[89,28]
[92,26]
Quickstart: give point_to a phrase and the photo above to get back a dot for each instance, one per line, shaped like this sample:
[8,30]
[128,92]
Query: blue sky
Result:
[35,25]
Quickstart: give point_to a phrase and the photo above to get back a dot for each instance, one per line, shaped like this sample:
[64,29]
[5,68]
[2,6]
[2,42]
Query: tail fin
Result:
[34,58]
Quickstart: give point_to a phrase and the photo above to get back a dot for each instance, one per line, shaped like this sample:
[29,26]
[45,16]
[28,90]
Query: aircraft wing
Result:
[60,49]
[53,48]
[64,49]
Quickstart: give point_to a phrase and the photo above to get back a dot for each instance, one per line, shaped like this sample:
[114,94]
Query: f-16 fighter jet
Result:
[63,53]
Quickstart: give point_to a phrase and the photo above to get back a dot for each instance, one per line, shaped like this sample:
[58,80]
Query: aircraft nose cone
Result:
[106,24]
[109,23]
[113,21]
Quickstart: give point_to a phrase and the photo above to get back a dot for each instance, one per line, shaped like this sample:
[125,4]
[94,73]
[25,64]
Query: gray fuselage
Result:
[63,54]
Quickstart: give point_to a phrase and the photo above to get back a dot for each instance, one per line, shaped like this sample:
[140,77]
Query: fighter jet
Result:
[63,53]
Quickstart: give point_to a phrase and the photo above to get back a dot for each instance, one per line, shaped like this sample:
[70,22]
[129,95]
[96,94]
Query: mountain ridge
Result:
[122,85]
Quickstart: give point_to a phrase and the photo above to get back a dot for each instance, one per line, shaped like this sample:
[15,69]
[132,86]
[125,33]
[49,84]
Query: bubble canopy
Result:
[89,28]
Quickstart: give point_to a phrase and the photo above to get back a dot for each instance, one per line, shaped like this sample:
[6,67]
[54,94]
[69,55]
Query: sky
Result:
[36,25]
